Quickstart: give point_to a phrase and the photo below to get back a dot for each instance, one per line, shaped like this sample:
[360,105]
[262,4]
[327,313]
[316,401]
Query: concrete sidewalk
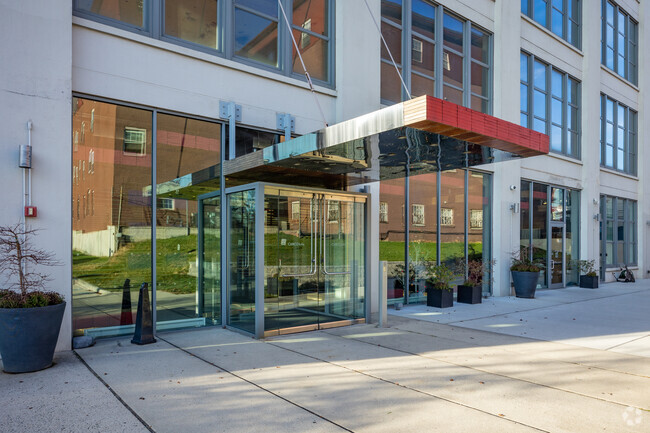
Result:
[416,375]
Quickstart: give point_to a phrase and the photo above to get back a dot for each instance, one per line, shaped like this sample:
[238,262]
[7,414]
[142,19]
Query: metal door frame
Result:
[549,259]
[200,225]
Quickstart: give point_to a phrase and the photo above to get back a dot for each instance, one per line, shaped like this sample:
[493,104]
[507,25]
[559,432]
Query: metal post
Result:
[383,298]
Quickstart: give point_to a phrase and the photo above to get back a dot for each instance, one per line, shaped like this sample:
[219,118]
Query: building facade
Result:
[137,108]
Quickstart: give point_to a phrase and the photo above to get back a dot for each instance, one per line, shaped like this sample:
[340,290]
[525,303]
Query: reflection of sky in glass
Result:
[523,68]
[523,97]
[556,84]
[247,27]
[539,75]
[540,12]
[539,101]
[268,7]
[556,23]
[421,8]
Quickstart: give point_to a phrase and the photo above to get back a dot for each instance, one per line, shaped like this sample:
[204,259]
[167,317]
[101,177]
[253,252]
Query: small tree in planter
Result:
[525,273]
[30,317]
[477,271]
[588,275]
[440,293]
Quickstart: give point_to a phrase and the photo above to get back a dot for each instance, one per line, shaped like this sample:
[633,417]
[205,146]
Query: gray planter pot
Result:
[587,282]
[28,337]
[525,283]
[469,294]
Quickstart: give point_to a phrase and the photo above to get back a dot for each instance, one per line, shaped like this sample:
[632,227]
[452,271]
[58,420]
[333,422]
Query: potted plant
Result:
[30,318]
[440,294]
[471,291]
[525,273]
[588,275]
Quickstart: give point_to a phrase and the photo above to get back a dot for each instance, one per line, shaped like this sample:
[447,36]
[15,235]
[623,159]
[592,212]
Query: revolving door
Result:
[295,258]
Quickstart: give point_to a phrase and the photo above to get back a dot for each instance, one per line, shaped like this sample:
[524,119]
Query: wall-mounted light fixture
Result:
[595,202]
[513,187]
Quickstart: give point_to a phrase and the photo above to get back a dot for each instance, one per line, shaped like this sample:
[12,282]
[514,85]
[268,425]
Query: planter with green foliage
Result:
[30,317]
[588,275]
[440,293]
[525,274]
[477,271]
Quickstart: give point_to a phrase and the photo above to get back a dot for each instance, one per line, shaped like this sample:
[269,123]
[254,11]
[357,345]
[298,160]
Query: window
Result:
[562,17]
[418,214]
[549,101]
[383,212]
[618,231]
[449,58]
[135,140]
[619,41]
[91,161]
[333,211]
[166,203]
[295,210]
[618,131]
[250,31]
[446,217]
[476,218]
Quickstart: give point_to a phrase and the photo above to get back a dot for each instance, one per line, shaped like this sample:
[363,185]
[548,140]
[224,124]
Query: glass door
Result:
[241,260]
[209,298]
[556,257]
[314,258]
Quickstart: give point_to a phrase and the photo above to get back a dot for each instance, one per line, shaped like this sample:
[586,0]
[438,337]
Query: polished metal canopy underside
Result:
[423,135]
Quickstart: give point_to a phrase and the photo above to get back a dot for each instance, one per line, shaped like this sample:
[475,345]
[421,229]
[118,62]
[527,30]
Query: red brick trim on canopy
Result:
[442,117]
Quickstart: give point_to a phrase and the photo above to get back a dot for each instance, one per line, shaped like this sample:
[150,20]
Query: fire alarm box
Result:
[30,211]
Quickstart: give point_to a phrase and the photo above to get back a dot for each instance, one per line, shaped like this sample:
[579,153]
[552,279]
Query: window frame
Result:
[630,136]
[154,27]
[405,64]
[630,35]
[528,9]
[529,86]
[630,235]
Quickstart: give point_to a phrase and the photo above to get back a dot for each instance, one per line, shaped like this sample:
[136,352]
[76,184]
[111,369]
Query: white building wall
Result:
[35,84]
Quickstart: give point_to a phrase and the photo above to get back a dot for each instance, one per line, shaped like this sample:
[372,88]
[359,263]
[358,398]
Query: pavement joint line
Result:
[419,391]
[486,372]
[532,340]
[628,342]
[256,385]
[125,404]
[541,308]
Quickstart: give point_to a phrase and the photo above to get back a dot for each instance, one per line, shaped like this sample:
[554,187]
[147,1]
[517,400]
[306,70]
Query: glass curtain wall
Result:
[449,218]
[111,213]
[184,146]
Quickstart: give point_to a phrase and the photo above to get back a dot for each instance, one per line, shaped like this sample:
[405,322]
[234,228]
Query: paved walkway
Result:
[466,375]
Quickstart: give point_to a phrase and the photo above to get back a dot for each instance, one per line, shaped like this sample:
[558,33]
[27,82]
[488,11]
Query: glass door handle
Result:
[312,271]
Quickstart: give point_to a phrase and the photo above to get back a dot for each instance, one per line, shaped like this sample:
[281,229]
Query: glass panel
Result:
[423,226]
[480,46]
[557,274]
[251,140]
[539,75]
[556,111]
[311,15]
[184,147]
[556,83]
[423,19]
[523,120]
[478,221]
[557,204]
[452,68]
[480,104]
[393,37]
[480,79]
[111,233]
[525,214]
[539,208]
[572,234]
[266,7]
[556,138]
[127,11]
[210,286]
[392,234]
[452,216]
[523,98]
[557,23]
[391,86]
[453,33]
[421,86]
[523,67]
[540,11]
[315,53]
[392,10]
[192,20]
[256,38]
[241,260]
[539,104]
[423,56]
[452,94]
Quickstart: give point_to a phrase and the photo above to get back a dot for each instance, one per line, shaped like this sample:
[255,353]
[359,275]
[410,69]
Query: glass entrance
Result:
[314,258]
[556,257]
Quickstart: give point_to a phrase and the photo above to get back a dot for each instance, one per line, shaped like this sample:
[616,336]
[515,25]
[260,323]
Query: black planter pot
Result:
[439,298]
[588,282]
[525,283]
[28,337]
[469,294]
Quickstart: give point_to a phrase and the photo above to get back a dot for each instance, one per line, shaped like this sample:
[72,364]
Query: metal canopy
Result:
[422,135]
